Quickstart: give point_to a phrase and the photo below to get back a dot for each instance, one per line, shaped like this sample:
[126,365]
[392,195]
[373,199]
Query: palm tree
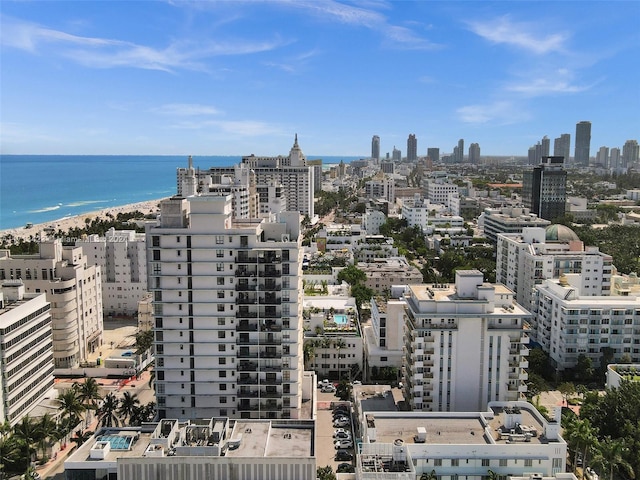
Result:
[48,430]
[581,437]
[89,396]
[27,433]
[81,437]
[70,405]
[491,475]
[11,456]
[128,404]
[610,457]
[107,413]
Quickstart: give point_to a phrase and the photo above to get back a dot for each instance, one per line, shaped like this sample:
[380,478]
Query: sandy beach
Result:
[64,224]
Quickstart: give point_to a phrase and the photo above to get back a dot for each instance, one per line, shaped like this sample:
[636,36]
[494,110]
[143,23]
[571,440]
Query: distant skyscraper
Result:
[546,144]
[532,155]
[583,143]
[614,159]
[562,147]
[630,154]
[460,157]
[544,189]
[433,154]
[602,157]
[412,148]
[474,153]
[375,147]
[397,154]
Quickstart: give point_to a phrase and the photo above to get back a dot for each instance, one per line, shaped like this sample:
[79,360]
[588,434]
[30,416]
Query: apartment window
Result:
[219,239]
[221,334]
[219,253]
[220,293]
[485,462]
[220,267]
[220,280]
[178,239]
[223,399]
[156,255]
[455,462]
[221,307]
[528,462]
[222,347]
[223,374]
[155,241]
[437,462]
[503,462]
[221,321]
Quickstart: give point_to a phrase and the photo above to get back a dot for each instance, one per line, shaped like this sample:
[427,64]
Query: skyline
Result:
[235,78]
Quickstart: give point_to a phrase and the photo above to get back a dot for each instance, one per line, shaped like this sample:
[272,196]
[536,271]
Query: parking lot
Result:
[325,451]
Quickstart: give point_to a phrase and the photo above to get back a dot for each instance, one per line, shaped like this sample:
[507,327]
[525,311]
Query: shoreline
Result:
[78,221]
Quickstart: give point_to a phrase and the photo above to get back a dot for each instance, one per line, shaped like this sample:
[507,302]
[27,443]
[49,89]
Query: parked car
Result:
[342,455]
[343,444]
[342,436]
[328,389]
[341,430]
[341,422]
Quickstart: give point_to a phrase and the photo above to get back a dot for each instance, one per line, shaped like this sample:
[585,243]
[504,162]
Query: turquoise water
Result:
[117,442]
[42,188]
[340,319]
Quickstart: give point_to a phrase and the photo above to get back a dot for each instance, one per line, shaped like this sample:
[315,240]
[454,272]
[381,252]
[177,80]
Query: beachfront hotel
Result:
[121,254]
[26,353]
[72,286]
[287,180]
[228,310]
[465,345]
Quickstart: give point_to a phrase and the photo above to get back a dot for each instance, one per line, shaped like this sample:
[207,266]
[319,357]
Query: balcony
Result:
[242,340]
[246,327]
[247,380]
[266,394]
[241,272]
[247,394]
[246,300]
[245,314]
[270,354]
[245,259]
[246,354]
[270,300]
[270,258]
[272,273]
[248,367]
[271,327]
[270,287]
[246,288]
[247,407]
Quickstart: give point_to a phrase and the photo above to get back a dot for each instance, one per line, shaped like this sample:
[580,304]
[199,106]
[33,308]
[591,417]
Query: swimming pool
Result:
[118,442]
[340,319]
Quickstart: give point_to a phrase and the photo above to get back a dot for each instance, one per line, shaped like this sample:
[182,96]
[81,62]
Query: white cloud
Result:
[232,127]
[547,86]
[110,53]
[186,109]
[500,112]
[527,36]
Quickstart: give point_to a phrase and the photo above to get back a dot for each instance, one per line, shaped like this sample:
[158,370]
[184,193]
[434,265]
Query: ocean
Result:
[42,188]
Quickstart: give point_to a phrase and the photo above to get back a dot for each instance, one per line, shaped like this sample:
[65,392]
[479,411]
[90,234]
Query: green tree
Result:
[566,389]
[108,411]
[89,395]
[27,432]
[343,390]
[539,363]
[429,476]
[81,437]
[611,458]
[12,456]
[144,341]
[325,473]
[128,404]
[48,433]
[362,294]
[352,275]
[70,405]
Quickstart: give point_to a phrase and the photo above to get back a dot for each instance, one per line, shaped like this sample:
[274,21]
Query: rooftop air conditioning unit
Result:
[285,237]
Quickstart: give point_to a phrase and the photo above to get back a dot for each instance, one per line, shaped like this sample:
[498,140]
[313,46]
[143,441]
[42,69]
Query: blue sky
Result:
[234,78]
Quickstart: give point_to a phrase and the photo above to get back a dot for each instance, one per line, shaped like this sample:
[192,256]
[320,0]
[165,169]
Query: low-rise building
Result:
[508,220]
[617,373]
[383,273]
[508,438]
[199,450]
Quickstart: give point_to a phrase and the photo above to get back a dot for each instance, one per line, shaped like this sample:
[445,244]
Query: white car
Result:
[341,422]
[328,389]
[341,430]
[343,444]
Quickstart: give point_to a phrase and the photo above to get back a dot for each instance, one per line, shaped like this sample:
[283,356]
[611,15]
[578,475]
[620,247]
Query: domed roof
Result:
[560,233]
